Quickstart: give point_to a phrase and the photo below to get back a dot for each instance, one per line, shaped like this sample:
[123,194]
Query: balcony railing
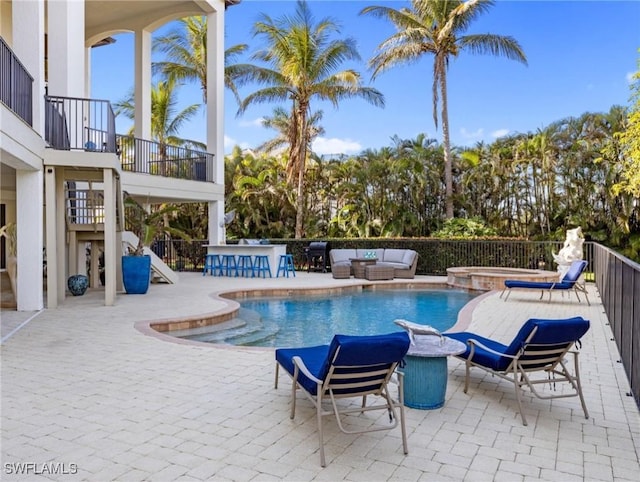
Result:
[149,157]
[80,124]
[16,84]
[89,125]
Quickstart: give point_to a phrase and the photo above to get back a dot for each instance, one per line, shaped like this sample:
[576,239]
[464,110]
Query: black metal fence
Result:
[150,157]
[16,84]
[73,123]
[618,281]
[435,255]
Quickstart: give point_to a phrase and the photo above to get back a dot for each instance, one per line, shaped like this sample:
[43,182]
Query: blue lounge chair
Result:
[540,346]
[351,366]
[568,282]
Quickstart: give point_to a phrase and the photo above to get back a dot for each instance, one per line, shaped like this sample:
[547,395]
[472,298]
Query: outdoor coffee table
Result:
[374,272]
[359,264]
[425,373]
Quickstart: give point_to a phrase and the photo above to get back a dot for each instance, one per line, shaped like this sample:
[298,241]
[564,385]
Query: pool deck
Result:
[87,385]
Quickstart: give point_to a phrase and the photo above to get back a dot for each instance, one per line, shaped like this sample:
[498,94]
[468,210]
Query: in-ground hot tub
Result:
[488,278]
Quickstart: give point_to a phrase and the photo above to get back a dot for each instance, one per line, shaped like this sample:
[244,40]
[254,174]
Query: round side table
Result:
[425,373]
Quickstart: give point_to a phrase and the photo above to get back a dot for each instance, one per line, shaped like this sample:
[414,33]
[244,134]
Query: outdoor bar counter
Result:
[273,251]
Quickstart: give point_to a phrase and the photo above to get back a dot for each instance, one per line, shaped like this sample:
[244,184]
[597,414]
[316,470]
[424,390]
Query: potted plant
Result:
[148,227]
[9,232]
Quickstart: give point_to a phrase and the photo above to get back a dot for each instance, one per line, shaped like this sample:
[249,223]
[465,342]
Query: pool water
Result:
[313,319]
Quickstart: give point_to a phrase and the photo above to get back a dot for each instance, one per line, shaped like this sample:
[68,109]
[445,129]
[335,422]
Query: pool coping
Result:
[161,328]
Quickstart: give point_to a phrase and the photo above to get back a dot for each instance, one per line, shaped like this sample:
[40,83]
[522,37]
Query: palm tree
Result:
[301,64]
[436,27]
[186,50]
[165,121]
[282,122]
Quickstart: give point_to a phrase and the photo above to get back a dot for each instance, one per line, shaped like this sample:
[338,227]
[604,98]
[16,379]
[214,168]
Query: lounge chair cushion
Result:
[315,358]
[480,356]
[549,332]
[347,350]
[542,285]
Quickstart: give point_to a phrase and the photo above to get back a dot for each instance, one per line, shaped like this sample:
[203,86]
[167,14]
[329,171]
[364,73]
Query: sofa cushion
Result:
[394,255]
[393,265]
[342,255]
[409,256]
[370,253]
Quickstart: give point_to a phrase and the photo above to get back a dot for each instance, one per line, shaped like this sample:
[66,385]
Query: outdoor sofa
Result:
[403,261]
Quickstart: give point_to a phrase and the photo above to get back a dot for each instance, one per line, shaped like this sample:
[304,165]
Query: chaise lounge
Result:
[569,282]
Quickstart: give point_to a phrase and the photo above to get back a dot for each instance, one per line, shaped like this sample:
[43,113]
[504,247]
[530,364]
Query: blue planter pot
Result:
[136,274]
[77,284]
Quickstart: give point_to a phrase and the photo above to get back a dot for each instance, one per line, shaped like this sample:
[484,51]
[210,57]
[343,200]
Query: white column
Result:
[110,248]
[216,216]
[66,51]
[215,115]
[60,253]
[142,87]
[28,44]
[29,223]
[51,236]
[87,75]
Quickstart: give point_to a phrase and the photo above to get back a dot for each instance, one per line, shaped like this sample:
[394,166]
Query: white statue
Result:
[571,251]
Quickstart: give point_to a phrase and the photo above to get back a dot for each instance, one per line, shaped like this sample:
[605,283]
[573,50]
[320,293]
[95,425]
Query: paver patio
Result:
[84,388]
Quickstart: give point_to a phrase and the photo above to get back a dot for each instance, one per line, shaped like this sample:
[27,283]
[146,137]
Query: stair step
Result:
[256,338]
[203,330]
[246,329]
[222,336]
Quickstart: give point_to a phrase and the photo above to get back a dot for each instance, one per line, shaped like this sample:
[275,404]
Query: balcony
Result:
[89,125]
[149,157]
[16,84]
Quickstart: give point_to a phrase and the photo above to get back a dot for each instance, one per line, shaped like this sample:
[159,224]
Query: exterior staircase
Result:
[158,267]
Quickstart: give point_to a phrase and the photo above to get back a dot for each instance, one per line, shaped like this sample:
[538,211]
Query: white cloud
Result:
[230,143]
[322,145]
[499,133]
[477,135]
[251,123]
[629,77]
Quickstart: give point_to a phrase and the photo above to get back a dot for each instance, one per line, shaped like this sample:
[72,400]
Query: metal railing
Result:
[84,206]
[618,281]
[150,157]
[89,125]
[73,123]
[16,84]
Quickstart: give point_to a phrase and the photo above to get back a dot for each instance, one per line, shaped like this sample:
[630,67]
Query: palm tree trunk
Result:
[448,169]
[302,155]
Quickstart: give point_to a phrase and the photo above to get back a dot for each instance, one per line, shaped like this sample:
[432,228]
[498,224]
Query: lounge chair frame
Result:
[549,359]
[359,381]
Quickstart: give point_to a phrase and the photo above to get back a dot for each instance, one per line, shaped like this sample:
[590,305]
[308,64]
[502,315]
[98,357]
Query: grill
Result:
[317,254]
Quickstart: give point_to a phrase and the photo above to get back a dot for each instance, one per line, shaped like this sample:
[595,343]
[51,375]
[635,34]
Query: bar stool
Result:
[228,265]
[245,266]
[212,264]
[261,266]
[285,266]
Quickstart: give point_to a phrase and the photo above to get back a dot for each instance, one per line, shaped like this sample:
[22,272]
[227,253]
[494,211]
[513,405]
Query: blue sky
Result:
[581,55]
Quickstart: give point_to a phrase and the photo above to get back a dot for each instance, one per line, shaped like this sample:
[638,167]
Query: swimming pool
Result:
[295,321]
